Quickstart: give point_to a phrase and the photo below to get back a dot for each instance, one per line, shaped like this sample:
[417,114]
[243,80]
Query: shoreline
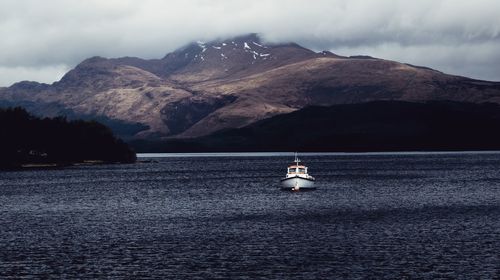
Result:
[285,154]
[57,166]
[149,157]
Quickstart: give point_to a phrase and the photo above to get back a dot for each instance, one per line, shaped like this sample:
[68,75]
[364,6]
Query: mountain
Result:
[372,126]
[207,87]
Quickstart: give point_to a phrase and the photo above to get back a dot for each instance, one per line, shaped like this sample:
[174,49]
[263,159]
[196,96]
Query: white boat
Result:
[297,177]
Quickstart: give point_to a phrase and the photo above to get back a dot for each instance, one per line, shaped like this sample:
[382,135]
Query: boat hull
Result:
[297,183]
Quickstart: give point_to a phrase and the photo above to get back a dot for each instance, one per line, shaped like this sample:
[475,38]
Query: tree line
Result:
[26,139]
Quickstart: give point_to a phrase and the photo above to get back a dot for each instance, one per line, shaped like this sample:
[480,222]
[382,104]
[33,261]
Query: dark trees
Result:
[26,139]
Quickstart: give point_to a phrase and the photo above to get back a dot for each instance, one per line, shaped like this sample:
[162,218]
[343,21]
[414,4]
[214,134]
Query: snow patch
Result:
[224,44]
[217,48]
[246,46]
[257,54]
[257,44]
[199,56]
[202,46]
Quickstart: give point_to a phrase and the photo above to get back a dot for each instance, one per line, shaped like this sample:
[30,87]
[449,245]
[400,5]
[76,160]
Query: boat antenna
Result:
[297,160]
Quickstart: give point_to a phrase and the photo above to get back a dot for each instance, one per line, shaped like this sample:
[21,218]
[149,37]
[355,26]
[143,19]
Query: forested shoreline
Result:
[29,140]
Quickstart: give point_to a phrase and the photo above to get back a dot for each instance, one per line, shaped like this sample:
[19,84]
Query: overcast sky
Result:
[41,40]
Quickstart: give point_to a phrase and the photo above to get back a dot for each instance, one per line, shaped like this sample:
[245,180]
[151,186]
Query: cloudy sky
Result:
[41,40]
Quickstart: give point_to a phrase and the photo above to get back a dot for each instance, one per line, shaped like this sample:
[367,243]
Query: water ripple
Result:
[373,216]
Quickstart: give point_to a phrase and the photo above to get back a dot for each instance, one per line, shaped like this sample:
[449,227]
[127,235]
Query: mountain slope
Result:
[205,87]
[373,126]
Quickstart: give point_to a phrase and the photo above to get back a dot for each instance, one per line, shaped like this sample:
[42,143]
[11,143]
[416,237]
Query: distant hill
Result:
[30,140]
[202,88]
[373,126]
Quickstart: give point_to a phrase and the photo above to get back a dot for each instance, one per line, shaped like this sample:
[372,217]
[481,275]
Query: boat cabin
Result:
[297,169]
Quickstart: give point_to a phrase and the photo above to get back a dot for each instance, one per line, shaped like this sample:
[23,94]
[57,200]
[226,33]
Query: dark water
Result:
[400,216]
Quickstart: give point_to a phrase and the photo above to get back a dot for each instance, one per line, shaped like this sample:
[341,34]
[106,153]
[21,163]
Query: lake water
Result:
[401,216]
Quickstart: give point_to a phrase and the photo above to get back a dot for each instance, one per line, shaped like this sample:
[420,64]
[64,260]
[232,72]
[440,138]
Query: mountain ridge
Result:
[205,87]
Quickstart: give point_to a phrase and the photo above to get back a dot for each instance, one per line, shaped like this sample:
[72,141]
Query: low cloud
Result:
[40,38]
[44,74]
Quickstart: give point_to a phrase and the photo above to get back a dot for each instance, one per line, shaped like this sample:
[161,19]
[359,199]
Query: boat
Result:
[297,177]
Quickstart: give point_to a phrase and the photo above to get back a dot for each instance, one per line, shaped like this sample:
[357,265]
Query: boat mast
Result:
[296,159]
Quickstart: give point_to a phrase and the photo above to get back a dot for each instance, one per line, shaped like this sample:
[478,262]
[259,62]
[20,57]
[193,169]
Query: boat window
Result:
[302,170]
[291,170]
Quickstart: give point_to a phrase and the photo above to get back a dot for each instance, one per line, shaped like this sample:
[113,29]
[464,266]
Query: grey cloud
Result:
[459,37]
